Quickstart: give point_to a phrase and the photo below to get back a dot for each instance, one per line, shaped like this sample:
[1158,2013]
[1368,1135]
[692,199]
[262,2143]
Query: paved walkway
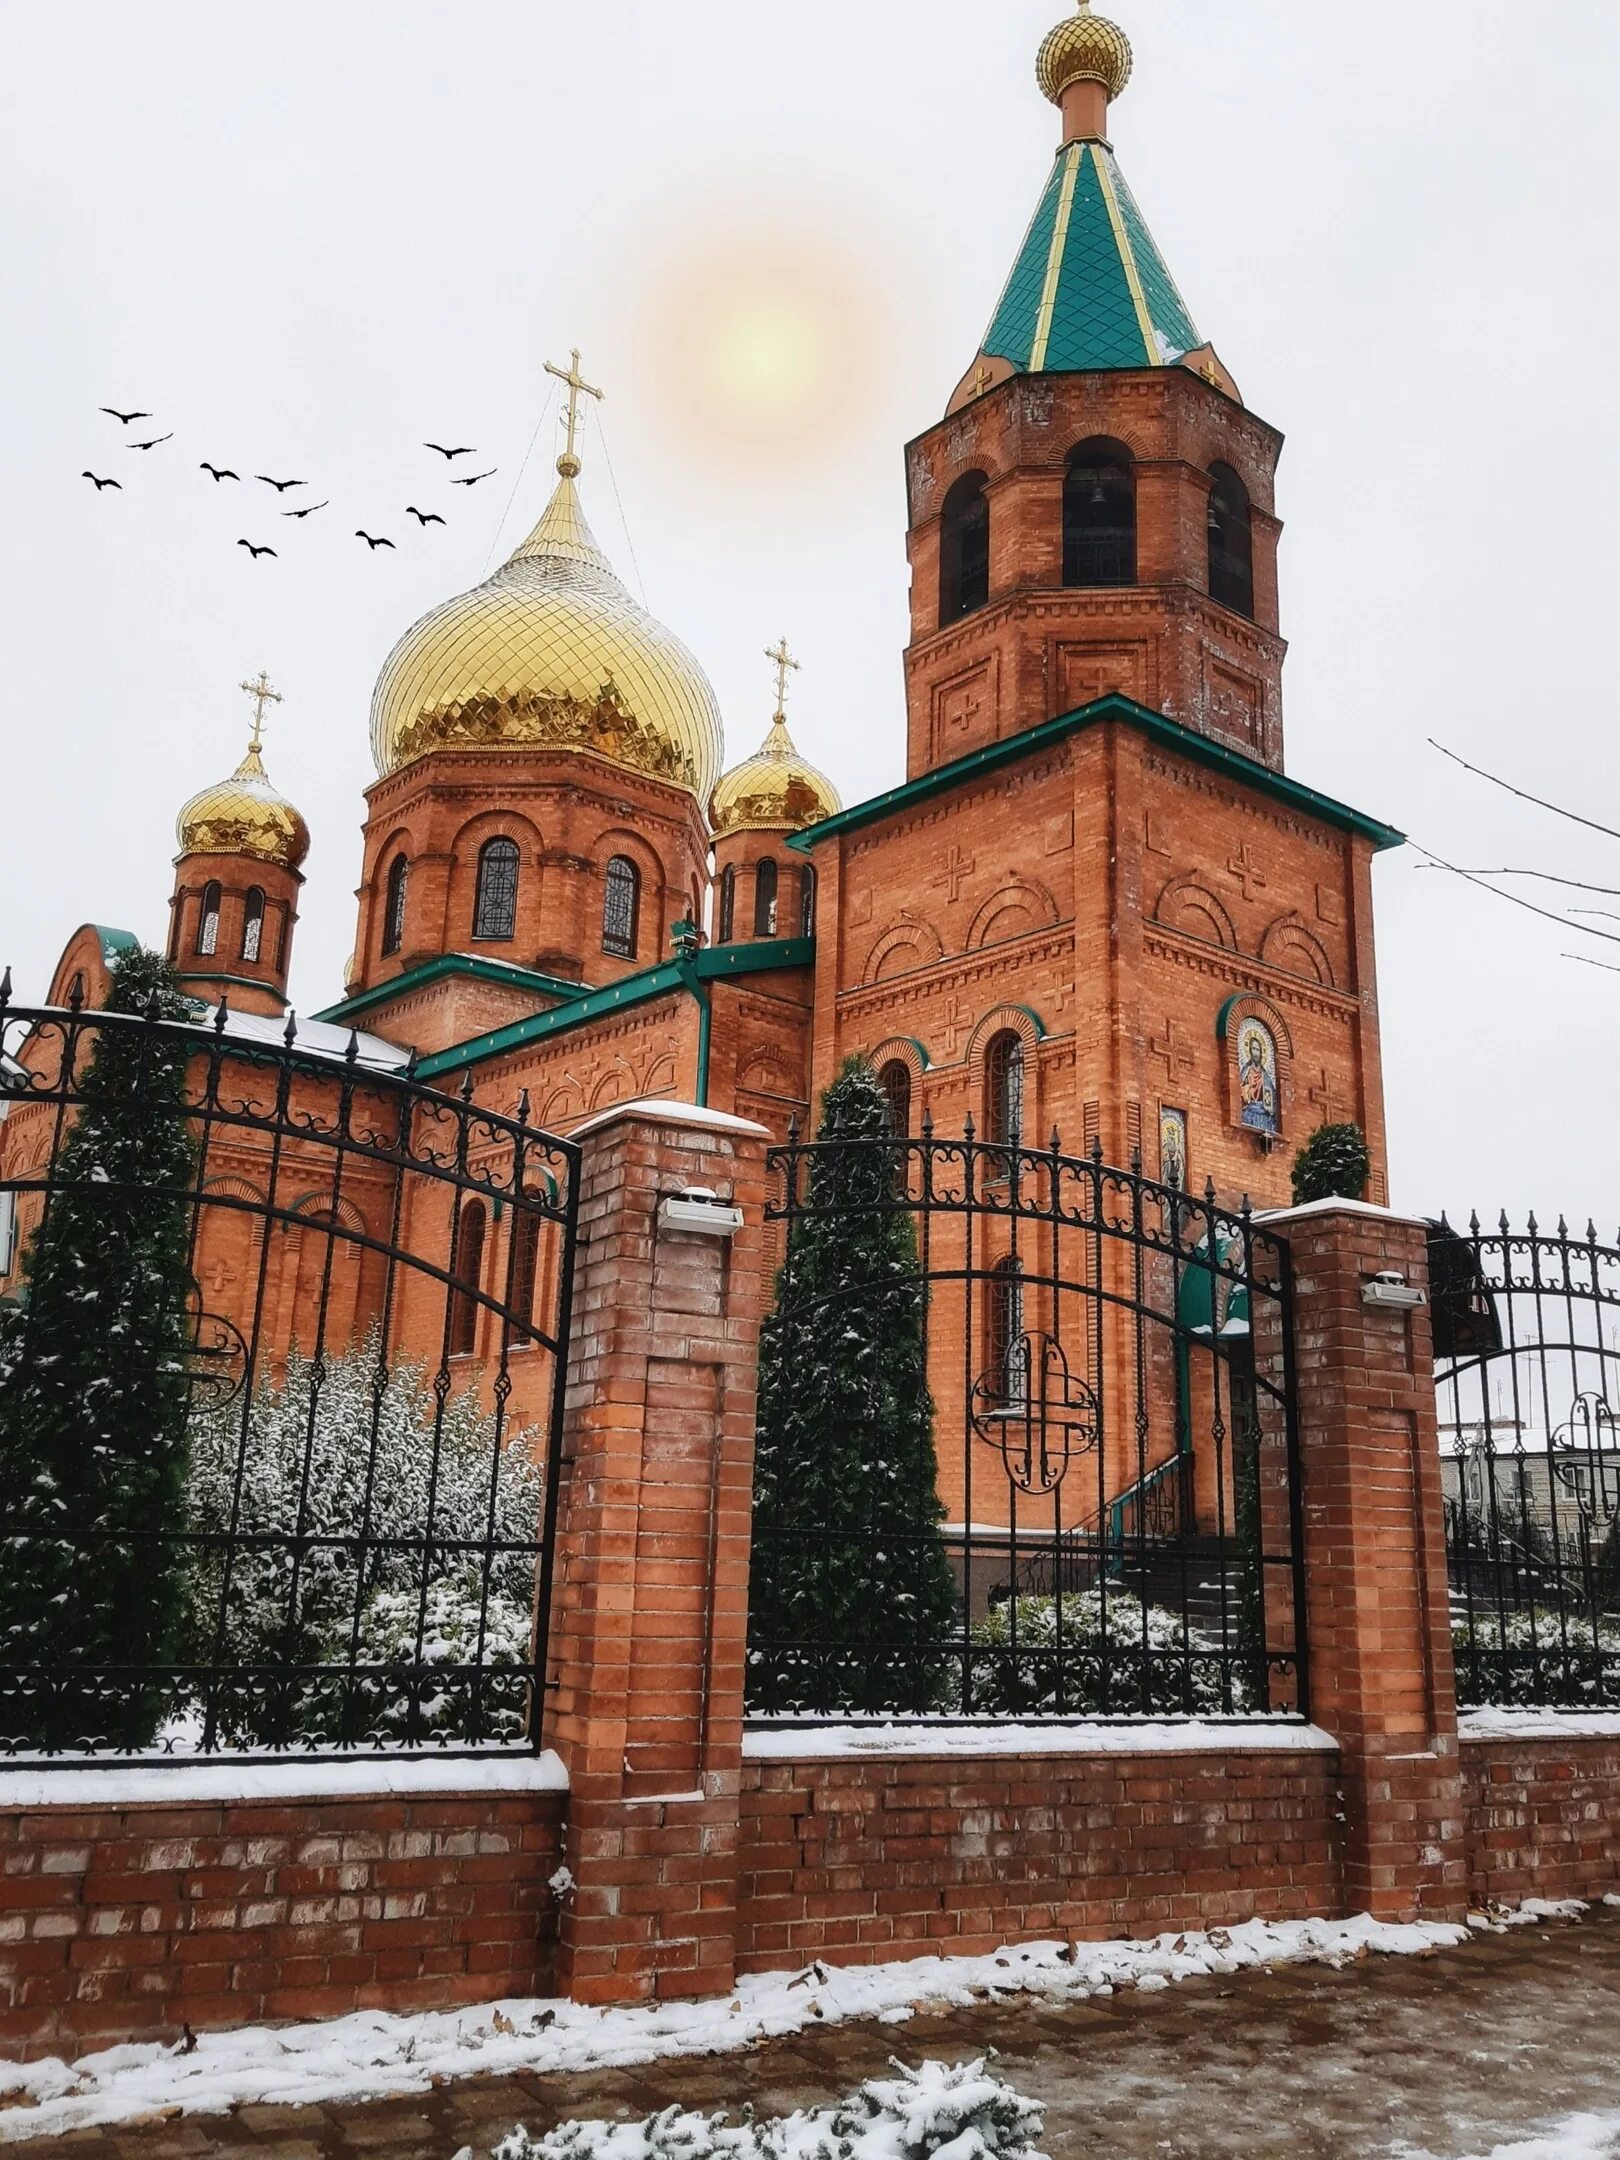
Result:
[1450,2054]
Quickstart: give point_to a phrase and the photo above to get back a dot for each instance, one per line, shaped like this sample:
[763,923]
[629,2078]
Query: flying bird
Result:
[308,510]
[423,517]
[256,552]
[100,484]
[374,545]
[152,445]
[220,472]
[125,417]
[473,479]
[466,450]
[280,486]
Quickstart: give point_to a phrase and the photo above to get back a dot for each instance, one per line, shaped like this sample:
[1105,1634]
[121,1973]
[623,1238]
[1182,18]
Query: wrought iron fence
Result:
[1527,1339]
[282,1349]
[1027,1443]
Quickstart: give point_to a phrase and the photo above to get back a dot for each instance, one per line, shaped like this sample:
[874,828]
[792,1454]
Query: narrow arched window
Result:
[1006,1330]
[621,908]
[495,907]
[807,901]
[466,1269]
[728,904]
[895,1082]
[283,920]
[1004,1090]
[175,908]
[399,875]
[765,883]
[1099,516]
[525,1277]
[1231,542]
[964,549]
[252,923]
[208,921]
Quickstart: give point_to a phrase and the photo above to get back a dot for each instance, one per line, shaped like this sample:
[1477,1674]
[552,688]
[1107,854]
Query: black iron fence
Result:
[282,1349]
[1027,1443]
[1527,1337]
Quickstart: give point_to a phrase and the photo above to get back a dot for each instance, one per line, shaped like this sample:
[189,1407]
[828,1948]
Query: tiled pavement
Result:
[1450,2055]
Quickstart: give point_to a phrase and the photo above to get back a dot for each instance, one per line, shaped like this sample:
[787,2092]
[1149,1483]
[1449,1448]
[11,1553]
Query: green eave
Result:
[1198,748]
[511,977]
[717,965]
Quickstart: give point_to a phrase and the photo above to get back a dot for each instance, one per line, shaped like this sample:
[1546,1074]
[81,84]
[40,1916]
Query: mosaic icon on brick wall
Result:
[1259,1089]
[1173,1149]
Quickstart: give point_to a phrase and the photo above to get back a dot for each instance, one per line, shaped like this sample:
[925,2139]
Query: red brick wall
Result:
[1543,1818]
[900,1856]
[123,1923]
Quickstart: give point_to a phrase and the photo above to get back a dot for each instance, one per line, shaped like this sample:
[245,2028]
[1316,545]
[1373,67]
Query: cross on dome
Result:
[568,464]
[262,695]
[785,665]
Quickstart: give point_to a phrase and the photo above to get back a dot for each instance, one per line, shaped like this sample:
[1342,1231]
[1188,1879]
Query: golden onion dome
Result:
[1086,48]
[244,816]
[552,652]
[776,790]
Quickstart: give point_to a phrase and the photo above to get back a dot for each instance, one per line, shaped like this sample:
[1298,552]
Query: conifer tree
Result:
[852,1603]
[1332,1165]
[93,1394]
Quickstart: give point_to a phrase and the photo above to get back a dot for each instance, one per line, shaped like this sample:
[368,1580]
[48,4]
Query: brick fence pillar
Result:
[650,1620]
[1377,1609]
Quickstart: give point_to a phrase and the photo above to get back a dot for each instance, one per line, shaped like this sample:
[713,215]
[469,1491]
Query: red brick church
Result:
[1096,905]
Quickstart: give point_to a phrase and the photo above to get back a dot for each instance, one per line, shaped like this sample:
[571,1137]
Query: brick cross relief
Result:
[1333,1106]
[958,869]
[958,1023]
[1247,871]
[1173,1050]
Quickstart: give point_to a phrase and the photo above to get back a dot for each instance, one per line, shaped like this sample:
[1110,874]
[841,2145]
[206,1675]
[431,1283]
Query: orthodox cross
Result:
[1175,1054]
[1329,1101]
[983,380]
[578,387]
[958,869]
[262,695]
[1247,872]
[785,665]
[958,1021]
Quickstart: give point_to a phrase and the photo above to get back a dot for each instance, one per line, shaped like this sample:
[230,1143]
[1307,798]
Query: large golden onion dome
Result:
[552,651]
[1086,48]
[244,816]
[776,790]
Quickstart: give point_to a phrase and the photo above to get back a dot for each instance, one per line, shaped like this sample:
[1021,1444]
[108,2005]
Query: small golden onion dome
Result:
[776,790]
[552,652]
[244,816]
[1086,48]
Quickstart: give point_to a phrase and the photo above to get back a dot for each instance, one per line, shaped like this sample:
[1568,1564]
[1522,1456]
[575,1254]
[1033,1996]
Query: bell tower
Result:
[1095,512]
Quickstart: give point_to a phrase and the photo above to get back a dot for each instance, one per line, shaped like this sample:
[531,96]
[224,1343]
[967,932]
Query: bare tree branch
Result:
[1547,877]
[1513,900]
[1585,960]
[1540,802]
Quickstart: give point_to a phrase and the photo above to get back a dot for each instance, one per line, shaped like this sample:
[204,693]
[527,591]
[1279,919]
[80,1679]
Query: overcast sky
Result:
[309,234]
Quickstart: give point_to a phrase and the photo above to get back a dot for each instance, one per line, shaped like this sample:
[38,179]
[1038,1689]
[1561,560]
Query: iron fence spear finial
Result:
[5,988]
[289,1033]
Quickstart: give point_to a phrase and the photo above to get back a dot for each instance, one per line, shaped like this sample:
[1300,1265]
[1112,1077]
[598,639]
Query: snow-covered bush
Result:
[1536,1659]
[352,1518]
[1100,1653]
[963,2108]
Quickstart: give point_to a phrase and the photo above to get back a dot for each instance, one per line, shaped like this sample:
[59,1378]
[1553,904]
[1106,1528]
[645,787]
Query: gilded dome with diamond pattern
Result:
[244,816]
[1086,48]
[776,790]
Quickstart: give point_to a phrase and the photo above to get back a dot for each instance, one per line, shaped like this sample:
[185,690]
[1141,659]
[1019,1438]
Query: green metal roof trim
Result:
[114,942]
[1170,733]
[506,972]
[713,966]
[1089,289]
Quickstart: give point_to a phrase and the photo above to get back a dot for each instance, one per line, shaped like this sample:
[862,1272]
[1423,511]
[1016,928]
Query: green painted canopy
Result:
[1090,288]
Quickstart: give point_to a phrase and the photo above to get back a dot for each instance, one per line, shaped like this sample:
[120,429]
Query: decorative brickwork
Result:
[1543,1817]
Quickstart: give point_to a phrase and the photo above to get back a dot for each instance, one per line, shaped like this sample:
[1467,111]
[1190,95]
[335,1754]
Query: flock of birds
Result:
[221,473]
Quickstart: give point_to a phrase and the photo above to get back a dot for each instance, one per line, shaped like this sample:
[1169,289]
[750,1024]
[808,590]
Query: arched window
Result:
[1004,1090]
[393,932]
[466,1269]
[895,1082]
[174,925]
[1099,516]
[964,549]
[1231,542]
[728,904]
[765,881]
[495,908]
[621,908]
[807,901]
[525,1276]
[208,921]
[252,923]
[1006,1329]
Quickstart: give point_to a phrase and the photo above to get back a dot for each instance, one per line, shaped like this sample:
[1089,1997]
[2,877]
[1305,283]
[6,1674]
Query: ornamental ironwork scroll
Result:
[1036,1413]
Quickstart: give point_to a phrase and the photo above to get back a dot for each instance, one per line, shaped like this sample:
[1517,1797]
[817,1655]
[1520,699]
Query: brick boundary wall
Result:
[129,1922]
[905,1856]
[1543,1816]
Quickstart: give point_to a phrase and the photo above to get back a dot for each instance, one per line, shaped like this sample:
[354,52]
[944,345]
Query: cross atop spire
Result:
[785,665]
[578,387]
[262,695]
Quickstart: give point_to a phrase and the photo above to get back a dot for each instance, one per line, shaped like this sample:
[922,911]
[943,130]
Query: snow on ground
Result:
[371,2056]
[1581,2137]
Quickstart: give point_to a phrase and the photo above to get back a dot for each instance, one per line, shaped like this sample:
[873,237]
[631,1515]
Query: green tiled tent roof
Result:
[1090,288]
